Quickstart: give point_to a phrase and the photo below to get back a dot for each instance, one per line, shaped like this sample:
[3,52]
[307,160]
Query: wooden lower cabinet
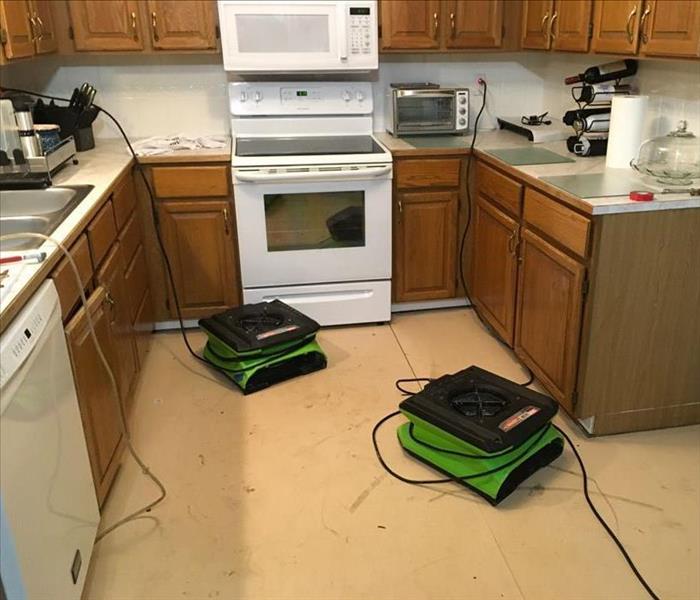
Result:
[494,266]
[199,238]
[425,245]
[548,319]
[98,408]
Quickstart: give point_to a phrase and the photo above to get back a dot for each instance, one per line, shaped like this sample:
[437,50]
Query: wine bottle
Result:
[600,92]
[606,72]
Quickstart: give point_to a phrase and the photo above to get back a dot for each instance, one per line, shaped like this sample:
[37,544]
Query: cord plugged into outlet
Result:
[480,82]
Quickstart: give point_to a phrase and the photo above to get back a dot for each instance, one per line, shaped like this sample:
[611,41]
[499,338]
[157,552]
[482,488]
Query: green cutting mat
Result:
[438,141]
[529,156]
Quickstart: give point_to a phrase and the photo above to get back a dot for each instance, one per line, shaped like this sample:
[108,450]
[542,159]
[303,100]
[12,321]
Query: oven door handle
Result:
[362,173]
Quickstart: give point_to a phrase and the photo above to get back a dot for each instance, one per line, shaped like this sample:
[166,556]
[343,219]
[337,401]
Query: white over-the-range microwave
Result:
[298,36]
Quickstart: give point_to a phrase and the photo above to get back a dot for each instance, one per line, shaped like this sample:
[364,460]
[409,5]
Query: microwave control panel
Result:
[361,21]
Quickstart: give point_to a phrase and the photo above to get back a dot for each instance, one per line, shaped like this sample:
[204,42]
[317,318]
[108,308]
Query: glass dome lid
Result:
[672,159]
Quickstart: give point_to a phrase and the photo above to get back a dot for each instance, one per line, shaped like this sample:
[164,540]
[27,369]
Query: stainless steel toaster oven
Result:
[427,110]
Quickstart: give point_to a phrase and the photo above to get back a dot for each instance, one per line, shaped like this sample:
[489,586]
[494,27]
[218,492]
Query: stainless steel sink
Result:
[36,211]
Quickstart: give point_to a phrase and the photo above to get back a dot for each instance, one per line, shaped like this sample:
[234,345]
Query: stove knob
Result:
[462,121]
[462,111]
[244,96]
[347,96]
[360,96]
[258,96]
[462,100]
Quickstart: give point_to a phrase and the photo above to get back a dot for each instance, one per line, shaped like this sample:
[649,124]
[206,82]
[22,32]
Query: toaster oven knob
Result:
[462,111]
[462,100]
[462,121]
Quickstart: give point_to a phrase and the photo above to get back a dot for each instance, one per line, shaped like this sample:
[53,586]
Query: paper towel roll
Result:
[626,122]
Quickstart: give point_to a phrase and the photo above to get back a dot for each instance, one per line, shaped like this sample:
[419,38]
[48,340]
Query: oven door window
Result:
[416,113]
[315,221]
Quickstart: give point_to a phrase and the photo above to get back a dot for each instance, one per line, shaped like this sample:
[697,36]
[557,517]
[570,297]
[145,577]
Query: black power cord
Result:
[457,479]
[472,306]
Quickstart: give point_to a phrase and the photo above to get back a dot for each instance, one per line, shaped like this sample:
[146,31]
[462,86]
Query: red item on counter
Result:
[642,196]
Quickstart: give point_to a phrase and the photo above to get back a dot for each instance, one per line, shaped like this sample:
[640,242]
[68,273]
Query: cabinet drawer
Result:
[499,188]
[136,278]
[188,182]
[557,221]
[101,232]
[432,172]
[64,278]
[130,238]
[124,200]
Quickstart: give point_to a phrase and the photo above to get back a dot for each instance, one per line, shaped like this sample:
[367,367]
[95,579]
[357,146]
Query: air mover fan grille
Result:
[479,402]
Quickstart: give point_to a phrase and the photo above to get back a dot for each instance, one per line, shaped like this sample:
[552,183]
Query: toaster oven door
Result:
[424,112]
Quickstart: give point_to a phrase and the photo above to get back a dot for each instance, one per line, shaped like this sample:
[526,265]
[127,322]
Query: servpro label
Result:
[273,332]
[517,418]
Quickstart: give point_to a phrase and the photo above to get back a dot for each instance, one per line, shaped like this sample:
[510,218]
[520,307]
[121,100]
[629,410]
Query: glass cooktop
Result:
[291,146]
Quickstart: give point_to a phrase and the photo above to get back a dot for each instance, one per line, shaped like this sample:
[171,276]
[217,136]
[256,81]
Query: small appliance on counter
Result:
[426,109]
[537,128]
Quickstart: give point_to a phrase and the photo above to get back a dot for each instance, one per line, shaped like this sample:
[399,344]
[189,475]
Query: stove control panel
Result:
[291,98]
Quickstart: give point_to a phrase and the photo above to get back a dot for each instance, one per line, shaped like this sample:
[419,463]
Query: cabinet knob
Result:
[452,24]
[435,25]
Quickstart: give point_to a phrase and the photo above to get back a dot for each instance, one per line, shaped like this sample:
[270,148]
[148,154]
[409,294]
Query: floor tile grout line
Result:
[408,362]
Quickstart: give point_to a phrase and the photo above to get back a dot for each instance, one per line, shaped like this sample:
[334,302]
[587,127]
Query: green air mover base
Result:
[277,364]
[536,452]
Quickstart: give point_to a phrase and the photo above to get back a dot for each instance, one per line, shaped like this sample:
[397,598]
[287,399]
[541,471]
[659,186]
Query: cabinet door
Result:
[199,239]
[494,267]
[410,24]
[474,24]
[671,28]
[425,245]
[616,26]
[182,24]
[106,25]
[536,16]
[550,298]
[46,32]
[19,34]
[98,407]
[569,25]
[118,310]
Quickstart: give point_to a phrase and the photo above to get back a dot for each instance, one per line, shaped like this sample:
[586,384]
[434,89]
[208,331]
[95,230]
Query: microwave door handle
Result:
[342,31]
[257,176]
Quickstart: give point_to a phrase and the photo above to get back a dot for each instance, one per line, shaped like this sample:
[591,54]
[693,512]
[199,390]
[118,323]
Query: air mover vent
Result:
[480,402]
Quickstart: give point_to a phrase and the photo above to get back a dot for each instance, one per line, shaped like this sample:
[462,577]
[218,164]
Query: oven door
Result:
[417,111]
[302,35]
[299,228]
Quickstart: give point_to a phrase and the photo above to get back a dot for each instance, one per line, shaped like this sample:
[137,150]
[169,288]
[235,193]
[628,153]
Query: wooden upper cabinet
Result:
[616,25]
[425,245]
[494,266]
[106,25]
[536,16]
[19,34]
[410,25]
[671,28]
[182,24]
[569,25]
[549,309]
[474,24]
[46,32]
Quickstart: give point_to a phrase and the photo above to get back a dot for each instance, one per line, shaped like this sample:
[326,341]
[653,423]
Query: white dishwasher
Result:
[48,507]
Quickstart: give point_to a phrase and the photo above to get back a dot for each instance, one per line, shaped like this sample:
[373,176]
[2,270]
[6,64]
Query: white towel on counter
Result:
[163,145]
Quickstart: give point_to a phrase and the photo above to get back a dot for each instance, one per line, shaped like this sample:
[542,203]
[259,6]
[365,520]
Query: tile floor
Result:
[279,495]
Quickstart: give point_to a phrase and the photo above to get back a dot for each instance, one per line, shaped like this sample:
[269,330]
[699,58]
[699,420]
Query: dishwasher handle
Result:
[298,175]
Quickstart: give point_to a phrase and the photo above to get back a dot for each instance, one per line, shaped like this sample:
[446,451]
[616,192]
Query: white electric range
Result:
[312,190]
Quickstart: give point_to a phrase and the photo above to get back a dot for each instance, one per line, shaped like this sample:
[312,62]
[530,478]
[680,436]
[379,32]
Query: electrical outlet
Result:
[478,87]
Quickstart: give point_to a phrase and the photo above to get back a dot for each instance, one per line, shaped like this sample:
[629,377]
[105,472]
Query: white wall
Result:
[159,95]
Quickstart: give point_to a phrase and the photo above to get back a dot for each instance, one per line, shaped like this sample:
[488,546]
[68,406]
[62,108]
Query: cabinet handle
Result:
[109,299]
[227,228]
[400,206]
[154,24]
[511,243]
[435,25]
[628,26]
[40,23]
[32,22]
[543,26]
[133,25]
[452,24]
[643,22]
[555,16]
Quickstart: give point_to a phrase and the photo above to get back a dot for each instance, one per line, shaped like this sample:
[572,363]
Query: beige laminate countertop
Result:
[101,168]
[532,174]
